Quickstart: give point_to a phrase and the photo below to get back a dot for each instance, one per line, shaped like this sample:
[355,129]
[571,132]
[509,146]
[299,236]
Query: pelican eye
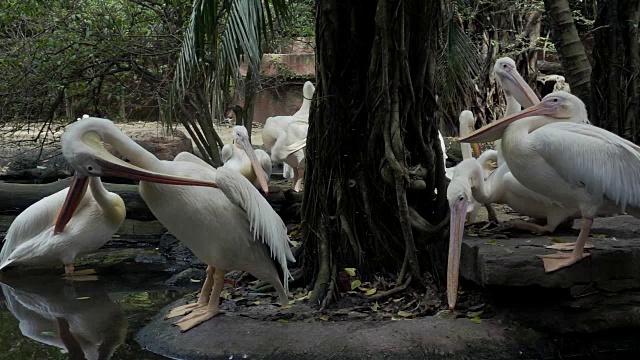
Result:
[461,198]
[90,168]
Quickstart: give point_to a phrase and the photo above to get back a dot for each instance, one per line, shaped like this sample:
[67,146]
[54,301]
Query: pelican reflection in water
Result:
[80,319]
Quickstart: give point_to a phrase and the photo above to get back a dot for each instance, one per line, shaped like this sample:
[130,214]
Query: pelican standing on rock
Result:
[575,164]
[226,223]
[36,236]
[255,165]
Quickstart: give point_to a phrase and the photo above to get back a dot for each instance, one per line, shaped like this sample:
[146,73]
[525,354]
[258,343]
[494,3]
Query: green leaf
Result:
[355,284]
[476,320]
[350,271]
[492,242]
[557,240]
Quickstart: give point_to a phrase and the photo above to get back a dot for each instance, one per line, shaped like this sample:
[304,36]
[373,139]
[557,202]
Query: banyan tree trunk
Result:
[570,48]
[616,69]
[374,161]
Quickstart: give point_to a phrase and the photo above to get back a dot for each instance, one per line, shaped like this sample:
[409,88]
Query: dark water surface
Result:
[46,317]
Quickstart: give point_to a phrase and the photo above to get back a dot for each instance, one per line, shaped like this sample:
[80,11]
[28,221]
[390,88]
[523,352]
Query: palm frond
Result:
[458,65]
[219,36]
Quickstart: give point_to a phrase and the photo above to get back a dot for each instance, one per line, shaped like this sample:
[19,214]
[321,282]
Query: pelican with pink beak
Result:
[576,164]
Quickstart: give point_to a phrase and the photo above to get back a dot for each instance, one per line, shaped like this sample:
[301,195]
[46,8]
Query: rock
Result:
[238,337]
[185,277]
[292,196]
[26,168]
[591,295]
[163,146]
[175,250]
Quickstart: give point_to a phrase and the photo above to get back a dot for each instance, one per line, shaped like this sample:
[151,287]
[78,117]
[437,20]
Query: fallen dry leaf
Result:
[404,313]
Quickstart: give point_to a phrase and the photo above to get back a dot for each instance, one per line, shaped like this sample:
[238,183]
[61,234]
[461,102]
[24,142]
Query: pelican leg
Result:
[199,316]
[203,298]
[82,275]
[560,260]
[297,180]
[491,214]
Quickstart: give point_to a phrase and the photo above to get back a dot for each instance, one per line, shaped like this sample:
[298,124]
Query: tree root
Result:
[390,292]
[330,291]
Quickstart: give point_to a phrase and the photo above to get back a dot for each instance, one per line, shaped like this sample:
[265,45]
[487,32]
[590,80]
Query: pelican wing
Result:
[33,221]
[586,155]
[189,157]
[298,145]
[264,222]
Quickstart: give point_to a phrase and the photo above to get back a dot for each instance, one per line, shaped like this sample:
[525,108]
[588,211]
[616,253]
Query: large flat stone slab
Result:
[232,336]
[614,264]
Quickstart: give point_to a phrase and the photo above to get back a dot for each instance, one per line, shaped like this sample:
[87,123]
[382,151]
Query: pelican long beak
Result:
[456,230]
[475,147]
[493,131]
[521,91]
[74,196]
[113,166]
[257,168]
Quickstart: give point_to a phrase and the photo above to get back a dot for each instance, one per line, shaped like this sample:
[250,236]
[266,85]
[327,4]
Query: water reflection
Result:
[78,317]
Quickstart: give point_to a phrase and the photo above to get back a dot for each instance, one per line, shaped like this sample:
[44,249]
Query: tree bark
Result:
[569,46]
[372,133]
[617,68]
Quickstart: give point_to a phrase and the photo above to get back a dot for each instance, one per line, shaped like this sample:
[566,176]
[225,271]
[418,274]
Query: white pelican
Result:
[285,137]
[36,236]
[578,165]
[79,319]
[240,156]
[466,127]
[229,226]
[516,91]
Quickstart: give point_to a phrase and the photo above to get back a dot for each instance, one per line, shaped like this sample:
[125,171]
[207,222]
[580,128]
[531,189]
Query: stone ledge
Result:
[614,264]
[233,336]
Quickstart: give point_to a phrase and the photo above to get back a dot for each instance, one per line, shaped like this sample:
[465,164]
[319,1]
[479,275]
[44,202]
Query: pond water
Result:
[46,317]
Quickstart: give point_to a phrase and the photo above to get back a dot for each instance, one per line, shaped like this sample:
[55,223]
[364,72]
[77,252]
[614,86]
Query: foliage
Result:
[98,56]
[219,35]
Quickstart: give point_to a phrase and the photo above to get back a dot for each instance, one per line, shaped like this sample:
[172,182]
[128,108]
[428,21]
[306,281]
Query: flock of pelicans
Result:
[221,217]
[550,163]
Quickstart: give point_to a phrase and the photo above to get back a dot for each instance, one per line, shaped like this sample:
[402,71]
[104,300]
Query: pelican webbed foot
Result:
[557,261]
[184,309]
[196,318]
[567,246]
